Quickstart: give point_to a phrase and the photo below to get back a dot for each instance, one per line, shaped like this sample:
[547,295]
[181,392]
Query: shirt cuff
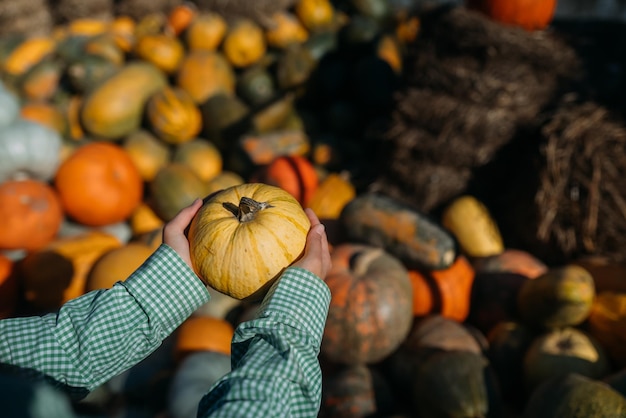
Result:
[167,288]
[301,295]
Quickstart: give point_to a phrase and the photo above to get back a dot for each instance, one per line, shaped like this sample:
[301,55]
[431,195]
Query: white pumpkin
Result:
[10,106]
[29,149]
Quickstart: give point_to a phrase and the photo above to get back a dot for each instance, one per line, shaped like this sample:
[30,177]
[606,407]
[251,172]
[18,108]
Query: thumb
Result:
[314,240]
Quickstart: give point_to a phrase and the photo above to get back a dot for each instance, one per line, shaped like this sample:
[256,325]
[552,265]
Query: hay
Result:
[138,9]
[25,17]
[65,11]
[471,85]
[572,201]
[260,11]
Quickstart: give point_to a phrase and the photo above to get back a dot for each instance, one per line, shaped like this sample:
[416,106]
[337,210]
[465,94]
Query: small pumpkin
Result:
[315,15]
[201,156]
[244,43]
[256,85]
[333,193]
[511,261]
[27,54]
[175,187]
[115,108]
[28,149]
[559,352]
[203,333]
[294,174]
[104,46]
[607,323]
[45,114]
[149,154]
[285,29]
[122,28]
[446,291]
[180,17]
[224,180]
[41,82]
[99,184]
[206,31]
[528,14]
[243,237]
[11,106]
[370,309]
[469,220]
[165,52]
[143,220]
[203,74]
[173,115]
[349,392]
[116,265]
[400,229]
[561,297]
[30,214]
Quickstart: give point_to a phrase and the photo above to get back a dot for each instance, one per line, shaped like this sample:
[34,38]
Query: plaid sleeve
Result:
[275,369]
[102,333]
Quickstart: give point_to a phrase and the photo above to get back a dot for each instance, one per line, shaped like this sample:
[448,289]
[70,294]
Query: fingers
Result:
[184,217]
[312,217]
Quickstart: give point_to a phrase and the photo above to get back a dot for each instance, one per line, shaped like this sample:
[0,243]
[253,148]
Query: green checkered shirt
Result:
[103,333]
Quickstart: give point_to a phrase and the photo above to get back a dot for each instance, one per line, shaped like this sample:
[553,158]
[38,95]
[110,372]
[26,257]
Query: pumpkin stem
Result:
[249,207]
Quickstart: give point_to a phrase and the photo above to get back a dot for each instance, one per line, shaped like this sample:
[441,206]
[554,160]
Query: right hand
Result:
[316,257]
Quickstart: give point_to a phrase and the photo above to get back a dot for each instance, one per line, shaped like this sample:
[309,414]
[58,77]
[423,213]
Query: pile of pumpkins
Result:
[109,128]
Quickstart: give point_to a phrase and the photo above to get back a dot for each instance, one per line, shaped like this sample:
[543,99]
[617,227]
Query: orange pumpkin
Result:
[27,54]
[203,333]
[30,214]
[173,115]
[295,174]
[179,18]
[99,184]
[45,114]
[203,74]
[143,220]
[165,52]
[116,265]
[206,31]
[122,28]
[528,14]
[607,323]
[8,287]
[333,193]
[286,29]
[244,43]
[446,292]
[315,14]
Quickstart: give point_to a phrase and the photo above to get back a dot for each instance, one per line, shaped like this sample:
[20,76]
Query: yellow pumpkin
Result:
[206,31]
[224,180]
[27,54]
[165,52]
[117,265]
[244,43]
[203,74]
[243,237]
[332,194]
[149,153]
[173,115]
[143,220]
[286,29]
[203,333]
[122,28]
[315,14]
[202,156]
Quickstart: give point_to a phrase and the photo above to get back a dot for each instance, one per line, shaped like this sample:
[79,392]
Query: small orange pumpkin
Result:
[203,333]
[446,292]
[99,184]
[165,52]
[27,54]
[528,14]
[244,43]
[206,31]
[315,14]
[173,115]
[295,174]
[46,114]
[179,18]
[203,74]
[30,214]
[287,29]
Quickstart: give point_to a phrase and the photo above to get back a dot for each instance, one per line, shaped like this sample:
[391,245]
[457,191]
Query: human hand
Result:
[174,231]
[316,257]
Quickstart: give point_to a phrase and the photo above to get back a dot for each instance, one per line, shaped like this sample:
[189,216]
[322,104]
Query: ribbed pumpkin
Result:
[165,52]
[243,237]
[447,291]
[148,153]
[99,184]
[180,17]
[8,287]
[203,74]
[370,310]
[115,108]
[174,187]
[295,174]
[201,156]
[206,31]
[30,214]
[244,43]
[116,265]
[173,115]
[203,333]
[528,14]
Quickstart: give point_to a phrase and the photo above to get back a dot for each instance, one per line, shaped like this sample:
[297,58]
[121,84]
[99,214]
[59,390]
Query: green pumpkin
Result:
[175,187]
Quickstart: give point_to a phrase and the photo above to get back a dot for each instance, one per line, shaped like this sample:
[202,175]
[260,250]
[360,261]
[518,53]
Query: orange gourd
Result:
[173,115]
[295,174]
[286,29]
[122,28]
[180,17]
[116,265]
[99,184]
[332,194]
[244,43]
[206,31]
[143,220]
[46,114]
[204,74]
[30,214]
[315,14]
[27,54]
[528,14]
[165,52]
[203,333]
[446,292]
